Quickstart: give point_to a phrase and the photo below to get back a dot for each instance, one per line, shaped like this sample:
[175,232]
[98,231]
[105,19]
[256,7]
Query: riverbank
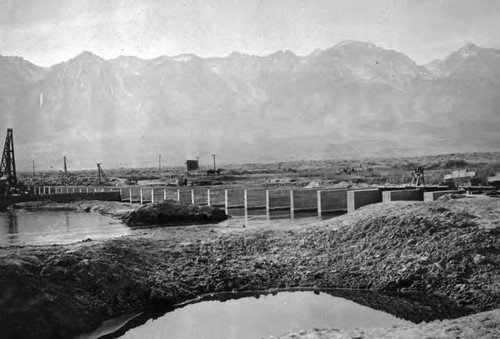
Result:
[448,247]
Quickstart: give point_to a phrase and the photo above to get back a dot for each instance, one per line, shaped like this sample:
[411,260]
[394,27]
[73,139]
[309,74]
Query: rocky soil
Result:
[482,325]
[448,247]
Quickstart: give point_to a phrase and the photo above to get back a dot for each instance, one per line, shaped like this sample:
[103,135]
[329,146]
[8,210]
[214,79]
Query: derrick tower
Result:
[8,164]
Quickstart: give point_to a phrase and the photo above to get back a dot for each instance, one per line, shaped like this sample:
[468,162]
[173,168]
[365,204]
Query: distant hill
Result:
[354,99]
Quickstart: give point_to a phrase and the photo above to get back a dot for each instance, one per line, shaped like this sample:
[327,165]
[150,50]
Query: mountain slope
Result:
[354,99]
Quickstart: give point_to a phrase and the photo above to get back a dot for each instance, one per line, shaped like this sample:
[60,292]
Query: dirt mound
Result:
[449,247]
[171,212]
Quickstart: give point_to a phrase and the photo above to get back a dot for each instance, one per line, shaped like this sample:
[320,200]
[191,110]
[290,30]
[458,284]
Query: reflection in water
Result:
[259,217]
[12,230]
[68,225]
[261,314]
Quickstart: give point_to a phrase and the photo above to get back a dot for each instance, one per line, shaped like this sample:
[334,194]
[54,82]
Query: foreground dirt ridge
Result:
[482,325]
[449,247]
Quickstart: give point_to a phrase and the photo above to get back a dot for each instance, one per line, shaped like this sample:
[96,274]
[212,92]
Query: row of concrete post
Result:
[339,206]
[322,201]
[326,200]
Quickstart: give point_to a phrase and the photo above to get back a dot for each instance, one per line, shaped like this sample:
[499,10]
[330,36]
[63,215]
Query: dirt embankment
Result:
[447,247]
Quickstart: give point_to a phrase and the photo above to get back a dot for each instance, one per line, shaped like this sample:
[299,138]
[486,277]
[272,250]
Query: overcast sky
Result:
[46,32]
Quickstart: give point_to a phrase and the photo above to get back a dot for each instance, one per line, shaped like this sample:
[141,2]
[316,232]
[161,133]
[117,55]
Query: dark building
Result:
[192,165]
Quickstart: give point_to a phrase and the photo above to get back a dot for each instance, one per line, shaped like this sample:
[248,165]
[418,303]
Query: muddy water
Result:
[20,227]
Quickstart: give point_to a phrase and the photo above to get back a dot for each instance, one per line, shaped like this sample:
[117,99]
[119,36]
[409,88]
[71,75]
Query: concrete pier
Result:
[408,195]
[360,198]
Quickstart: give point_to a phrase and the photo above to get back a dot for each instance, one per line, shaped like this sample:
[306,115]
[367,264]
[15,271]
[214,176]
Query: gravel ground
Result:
[449,247]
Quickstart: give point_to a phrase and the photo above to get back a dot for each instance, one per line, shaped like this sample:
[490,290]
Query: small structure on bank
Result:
[192,165]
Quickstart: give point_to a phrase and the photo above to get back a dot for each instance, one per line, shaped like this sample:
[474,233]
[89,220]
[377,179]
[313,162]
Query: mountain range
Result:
[349,101]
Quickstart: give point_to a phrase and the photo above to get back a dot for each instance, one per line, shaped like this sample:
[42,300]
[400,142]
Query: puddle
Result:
[265,314]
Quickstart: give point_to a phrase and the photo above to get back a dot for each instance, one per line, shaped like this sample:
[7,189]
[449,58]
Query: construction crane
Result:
[101,174]
[8,176]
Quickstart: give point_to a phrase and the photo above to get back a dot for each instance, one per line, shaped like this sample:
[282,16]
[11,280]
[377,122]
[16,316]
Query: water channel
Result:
[20,227]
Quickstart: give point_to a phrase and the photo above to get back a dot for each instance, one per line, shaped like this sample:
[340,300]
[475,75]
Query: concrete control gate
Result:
[295,199]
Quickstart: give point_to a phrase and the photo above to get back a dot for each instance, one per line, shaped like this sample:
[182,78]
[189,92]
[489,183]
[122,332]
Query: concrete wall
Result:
[360,198]
[8,200]
[415,195]
[217,197]
[431,196]
[200,196]
[332,200]
[305,200]
[185,196]
[279,199]
[235,198]
[256,198]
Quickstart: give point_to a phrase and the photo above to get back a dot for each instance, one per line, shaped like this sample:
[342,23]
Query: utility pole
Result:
[159,162]
[214,155]
[33,168]
[65,175]
[99,172]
